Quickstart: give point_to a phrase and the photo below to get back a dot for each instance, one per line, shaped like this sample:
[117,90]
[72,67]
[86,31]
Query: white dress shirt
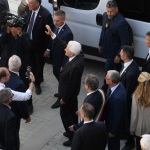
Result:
[18,96]
[126,65]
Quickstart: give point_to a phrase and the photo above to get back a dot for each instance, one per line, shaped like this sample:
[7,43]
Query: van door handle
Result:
[99,18]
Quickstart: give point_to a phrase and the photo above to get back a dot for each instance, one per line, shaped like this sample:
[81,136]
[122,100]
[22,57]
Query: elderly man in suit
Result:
[69,83]
[7,121]
[37,18]
[129,76]
[56,51]
[20,109]
[93,135]
[115,113]
[146,66]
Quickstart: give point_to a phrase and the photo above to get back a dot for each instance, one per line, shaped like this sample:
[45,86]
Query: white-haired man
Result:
[20,109]
[69,84]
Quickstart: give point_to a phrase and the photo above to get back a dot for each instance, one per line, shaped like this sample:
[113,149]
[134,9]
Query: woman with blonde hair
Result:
[140,113]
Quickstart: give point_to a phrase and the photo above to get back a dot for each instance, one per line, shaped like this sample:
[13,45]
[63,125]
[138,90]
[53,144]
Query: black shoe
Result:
[38,90]
[67,143]
[56,95]
[128,146]
[30,109]
[66,134]
[56,104]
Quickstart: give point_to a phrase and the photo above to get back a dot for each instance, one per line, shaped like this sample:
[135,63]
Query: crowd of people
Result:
[118,110]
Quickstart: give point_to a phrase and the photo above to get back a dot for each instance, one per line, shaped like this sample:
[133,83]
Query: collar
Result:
[127,64]
[2,86]
[61,27]
[113,88]
[36,12]
[91,93]
[14,72]
[71,58]
[88,121]
[149,52]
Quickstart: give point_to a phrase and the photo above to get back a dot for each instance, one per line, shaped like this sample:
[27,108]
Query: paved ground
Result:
[45,130]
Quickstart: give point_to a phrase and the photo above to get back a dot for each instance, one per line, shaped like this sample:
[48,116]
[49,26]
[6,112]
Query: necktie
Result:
[109,93]
[56,32]
[30,26]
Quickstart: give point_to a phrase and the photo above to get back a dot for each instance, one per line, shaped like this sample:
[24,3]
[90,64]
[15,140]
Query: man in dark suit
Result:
[20,109]
[129,76]
[7,121]
[69,83]
[146,66]
[92,135]
[113,36]
[37,18]
[95,97]
[115,113]
[56,51]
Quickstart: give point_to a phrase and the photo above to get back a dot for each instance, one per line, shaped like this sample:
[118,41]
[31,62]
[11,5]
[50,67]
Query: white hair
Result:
[145,142]
[14,63]
[74,47]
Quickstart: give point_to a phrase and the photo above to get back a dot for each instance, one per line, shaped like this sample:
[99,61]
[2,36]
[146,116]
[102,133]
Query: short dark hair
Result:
[92,81]
[88,110]
[148,33]
[129,51]
[111,4]
[60,13]
[39,1]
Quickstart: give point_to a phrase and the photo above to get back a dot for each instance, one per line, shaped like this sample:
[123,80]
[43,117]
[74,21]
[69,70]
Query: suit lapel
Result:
[38,17]
[62,30]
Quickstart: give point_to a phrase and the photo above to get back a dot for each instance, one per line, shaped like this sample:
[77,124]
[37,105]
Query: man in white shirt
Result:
[18,96]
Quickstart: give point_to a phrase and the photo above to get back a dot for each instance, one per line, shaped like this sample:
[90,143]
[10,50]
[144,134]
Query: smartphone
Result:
[28,71]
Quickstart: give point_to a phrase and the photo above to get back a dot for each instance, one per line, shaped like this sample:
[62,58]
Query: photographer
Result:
[15,42]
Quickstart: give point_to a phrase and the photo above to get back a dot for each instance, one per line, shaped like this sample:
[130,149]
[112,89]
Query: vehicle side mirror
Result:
[99,18]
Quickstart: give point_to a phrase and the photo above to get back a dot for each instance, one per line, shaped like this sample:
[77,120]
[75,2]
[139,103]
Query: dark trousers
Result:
[138,146]
[68,115]
[17,139]
[110,65]
[37,64]
[114,143]
[56,71]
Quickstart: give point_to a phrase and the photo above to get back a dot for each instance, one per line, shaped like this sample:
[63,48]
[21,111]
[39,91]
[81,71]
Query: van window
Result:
[135,9]
[81,4]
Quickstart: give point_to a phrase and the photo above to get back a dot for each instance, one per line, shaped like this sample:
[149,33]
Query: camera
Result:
[11,20]
[28,71]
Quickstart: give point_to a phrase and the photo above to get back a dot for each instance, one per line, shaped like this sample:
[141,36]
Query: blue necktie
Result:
[56,32]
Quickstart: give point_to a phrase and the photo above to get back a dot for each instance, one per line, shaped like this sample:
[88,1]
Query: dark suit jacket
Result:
[18,107]
[91,136]
[115,36]
[7,127]
[146,66]
[57,51]
[94,99]
[40,40]
[129,80]
[116,111]
[70,79]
